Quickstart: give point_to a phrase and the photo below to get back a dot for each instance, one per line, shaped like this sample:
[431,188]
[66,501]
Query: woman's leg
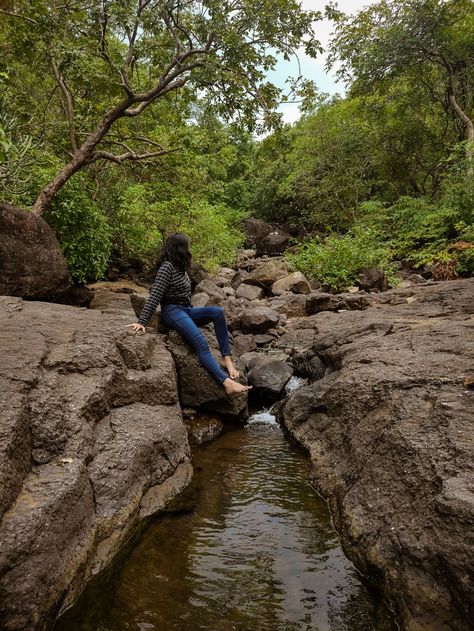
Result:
[177,318]
[205,315]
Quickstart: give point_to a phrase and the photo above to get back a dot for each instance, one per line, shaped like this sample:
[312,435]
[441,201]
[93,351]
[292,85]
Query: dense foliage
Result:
[384,173]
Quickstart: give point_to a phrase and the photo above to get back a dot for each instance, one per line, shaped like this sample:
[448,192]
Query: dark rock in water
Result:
[197,388]
[258,319]
[389,432]
[269,374]
[372,279]
[307,364]
[91,441]
[31,262]
[204,428]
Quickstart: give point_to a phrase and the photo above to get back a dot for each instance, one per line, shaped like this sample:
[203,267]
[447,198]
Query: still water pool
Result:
[251,549]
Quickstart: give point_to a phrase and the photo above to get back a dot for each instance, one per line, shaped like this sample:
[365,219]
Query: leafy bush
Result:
[337,260]
[82,230]
[142,224]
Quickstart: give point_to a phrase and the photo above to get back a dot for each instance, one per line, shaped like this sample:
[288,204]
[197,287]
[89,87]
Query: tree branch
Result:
[129,155]
[18,15]
[68,105]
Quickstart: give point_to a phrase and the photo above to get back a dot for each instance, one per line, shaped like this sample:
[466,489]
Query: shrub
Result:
[336,261]
[142,224]
[82,231]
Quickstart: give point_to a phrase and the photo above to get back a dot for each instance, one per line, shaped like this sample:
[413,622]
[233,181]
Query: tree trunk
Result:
[83,156]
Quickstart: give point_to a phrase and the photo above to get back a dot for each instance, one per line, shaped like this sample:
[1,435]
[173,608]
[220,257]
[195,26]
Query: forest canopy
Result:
[122,121]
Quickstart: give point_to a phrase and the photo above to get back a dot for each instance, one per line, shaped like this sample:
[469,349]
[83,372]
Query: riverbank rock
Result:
[31,262]
[389,432]
[197,389]
[270,374]
[266,273]
[91,441]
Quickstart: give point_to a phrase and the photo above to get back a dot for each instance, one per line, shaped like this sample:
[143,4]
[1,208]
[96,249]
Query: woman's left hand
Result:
[136,326]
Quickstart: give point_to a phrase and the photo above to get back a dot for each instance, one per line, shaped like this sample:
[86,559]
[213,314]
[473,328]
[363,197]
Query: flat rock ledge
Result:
[389,430]
[91,441]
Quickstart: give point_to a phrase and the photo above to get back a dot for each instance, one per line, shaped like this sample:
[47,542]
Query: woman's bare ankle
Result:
[234,387]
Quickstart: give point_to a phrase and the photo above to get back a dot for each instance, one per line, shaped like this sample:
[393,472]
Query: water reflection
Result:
[255,551]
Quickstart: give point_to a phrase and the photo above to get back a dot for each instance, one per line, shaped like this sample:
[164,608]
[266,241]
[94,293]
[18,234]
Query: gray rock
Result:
[320,301]
[215,293]
[258,319]
[293,305]
[389,431]
[270,374]
[295,282]
[199,300]
[249,292]
[266,273]
[243,344]
[91,441]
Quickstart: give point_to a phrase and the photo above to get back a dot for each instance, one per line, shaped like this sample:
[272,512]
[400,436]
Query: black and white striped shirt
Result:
[171,285]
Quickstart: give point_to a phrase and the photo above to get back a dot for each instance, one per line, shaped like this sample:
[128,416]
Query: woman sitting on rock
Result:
[172,288]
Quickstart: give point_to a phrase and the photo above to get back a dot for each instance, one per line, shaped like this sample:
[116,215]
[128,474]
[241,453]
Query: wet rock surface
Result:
[389,432]
[91,440]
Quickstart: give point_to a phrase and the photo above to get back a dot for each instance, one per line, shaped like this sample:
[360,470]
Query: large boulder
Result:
[266,273]
[215,293]
[197,389]
[270,374]
[31,262]
[258,319]
[91,441]
[296,282]
[266,238]
[389,432]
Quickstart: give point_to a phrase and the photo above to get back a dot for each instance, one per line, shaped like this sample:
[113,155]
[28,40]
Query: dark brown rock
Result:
[270,374]
[197,388]
[31,262]
[266,238]
[91,441]
[389,431]
[243,344]
[372,279]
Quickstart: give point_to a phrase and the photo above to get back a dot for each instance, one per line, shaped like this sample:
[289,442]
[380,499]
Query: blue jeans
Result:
[187,320]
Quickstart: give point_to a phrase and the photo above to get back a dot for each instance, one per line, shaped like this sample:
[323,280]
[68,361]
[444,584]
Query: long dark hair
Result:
[176,250]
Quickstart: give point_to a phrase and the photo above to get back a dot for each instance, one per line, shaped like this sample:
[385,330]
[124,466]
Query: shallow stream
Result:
[250,547]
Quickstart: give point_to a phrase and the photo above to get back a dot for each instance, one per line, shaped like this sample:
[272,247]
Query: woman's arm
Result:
[161,284]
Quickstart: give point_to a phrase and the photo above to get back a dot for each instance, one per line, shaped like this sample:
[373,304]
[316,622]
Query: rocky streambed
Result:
[93,437]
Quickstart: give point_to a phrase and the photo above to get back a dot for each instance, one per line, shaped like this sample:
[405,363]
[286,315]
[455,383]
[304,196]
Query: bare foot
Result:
[234,387]
[229,366]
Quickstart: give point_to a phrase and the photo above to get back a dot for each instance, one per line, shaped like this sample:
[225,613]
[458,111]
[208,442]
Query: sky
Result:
[313,68]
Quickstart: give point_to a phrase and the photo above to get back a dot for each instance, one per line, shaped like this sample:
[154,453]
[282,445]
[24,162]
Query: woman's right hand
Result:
[136,326]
